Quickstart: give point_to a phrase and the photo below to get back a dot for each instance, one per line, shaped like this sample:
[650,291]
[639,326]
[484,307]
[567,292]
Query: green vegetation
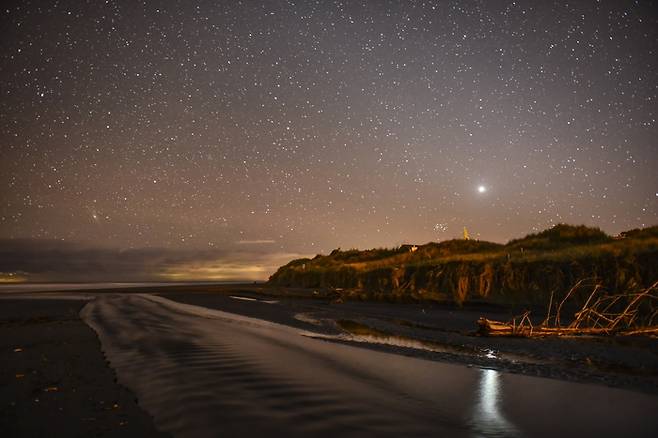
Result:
[525,270]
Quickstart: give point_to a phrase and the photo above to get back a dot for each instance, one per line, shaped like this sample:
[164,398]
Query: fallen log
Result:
[488,327]
[595,318]
[647,331]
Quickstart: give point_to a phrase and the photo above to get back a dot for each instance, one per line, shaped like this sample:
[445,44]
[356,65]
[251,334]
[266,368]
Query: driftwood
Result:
[623,314]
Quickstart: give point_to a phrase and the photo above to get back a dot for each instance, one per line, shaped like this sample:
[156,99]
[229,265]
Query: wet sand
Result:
[447,335]
[253,361]
[54,380]
[204,372]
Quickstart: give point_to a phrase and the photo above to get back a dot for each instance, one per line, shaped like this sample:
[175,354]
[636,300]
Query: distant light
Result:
[482,189]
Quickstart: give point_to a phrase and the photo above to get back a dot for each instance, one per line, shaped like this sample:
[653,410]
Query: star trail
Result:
[235,135]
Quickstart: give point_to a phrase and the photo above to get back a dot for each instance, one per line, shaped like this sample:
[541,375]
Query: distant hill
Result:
[523,270]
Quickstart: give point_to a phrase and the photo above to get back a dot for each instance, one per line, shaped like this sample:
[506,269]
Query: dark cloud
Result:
[53,260]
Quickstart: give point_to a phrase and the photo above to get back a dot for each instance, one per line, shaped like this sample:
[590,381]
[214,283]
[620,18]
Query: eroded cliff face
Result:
[495,279]
[464,281]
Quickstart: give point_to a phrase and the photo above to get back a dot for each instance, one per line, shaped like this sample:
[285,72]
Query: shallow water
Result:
[203,372]
[44,287]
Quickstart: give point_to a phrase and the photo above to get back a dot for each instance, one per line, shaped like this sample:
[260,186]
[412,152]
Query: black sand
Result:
[54,380]
[629,363]
[205,373]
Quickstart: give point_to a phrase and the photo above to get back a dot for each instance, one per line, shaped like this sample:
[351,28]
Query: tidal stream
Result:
[208,373]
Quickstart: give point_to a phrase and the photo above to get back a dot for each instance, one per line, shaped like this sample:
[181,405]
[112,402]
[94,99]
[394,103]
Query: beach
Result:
[442,332]
[246,360]
[55,379]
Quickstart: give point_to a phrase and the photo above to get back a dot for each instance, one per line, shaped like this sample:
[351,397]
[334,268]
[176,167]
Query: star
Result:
[323,125]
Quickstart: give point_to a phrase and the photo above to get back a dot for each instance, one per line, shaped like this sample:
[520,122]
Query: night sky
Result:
[219,139]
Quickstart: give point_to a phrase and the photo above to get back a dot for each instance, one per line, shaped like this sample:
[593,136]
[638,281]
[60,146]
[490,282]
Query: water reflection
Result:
[488,419]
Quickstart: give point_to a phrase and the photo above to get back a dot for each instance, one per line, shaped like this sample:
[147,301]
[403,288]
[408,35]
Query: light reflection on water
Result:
[243,374]
[488,419]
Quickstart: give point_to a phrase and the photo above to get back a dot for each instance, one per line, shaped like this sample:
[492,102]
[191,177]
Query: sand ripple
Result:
[207,373]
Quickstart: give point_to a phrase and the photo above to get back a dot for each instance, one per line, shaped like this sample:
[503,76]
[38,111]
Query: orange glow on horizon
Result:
[12,277]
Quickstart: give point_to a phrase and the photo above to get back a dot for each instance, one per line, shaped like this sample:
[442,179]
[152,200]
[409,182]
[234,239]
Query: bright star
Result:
[482,189]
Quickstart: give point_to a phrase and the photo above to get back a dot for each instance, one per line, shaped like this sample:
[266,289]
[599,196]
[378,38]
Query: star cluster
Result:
[301,126]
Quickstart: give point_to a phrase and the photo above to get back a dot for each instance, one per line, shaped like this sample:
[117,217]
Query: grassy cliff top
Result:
[559,243]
